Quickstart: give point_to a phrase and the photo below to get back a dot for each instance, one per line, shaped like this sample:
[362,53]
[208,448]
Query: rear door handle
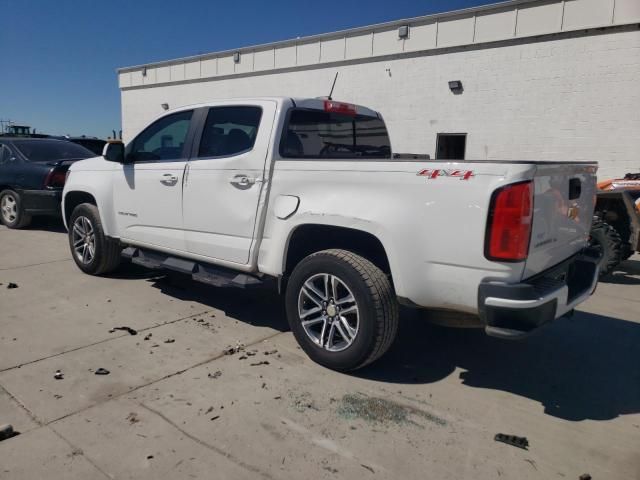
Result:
[169,179]
[243,181]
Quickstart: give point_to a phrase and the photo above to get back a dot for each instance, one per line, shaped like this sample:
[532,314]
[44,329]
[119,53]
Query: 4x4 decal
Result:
[432,174]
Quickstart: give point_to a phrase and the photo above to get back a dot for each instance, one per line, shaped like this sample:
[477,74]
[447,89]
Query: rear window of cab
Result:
[319,134]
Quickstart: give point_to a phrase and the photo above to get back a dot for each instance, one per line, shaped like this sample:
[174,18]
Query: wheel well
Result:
[73,199]
[308,239]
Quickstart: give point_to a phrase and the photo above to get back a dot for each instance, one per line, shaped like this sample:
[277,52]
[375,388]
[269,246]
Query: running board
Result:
[200,272]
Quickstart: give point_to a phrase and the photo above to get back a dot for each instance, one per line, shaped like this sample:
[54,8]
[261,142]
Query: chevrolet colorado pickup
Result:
[308,192]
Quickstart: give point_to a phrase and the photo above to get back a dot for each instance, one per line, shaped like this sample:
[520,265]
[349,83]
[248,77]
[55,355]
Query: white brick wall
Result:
[563,99]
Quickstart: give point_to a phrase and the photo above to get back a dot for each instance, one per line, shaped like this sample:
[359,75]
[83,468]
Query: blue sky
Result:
[59,56]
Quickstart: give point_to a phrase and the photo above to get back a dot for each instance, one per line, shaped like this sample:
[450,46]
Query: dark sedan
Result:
[32,175]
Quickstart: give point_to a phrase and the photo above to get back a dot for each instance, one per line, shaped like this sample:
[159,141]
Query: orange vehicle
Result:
[616,226]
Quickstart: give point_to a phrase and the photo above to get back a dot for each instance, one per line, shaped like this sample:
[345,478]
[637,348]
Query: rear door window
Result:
[319,134]
[229,131]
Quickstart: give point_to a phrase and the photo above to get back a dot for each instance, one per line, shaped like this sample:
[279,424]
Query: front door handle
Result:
[169,179]
[242,181]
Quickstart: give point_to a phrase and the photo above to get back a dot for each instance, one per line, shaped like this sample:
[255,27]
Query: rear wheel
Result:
[607,240]
[342,309]
[93,252]
[11,211]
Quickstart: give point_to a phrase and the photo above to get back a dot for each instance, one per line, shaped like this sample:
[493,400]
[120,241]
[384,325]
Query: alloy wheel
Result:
[84,240]
[9,208]
[328,312]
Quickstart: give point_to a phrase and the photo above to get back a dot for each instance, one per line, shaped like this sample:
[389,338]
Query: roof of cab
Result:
[303,102]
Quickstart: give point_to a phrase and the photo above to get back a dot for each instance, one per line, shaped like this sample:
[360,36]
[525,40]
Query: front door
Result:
[225,179]
[148,188]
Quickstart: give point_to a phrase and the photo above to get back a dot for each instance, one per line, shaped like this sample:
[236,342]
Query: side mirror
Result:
[113,151]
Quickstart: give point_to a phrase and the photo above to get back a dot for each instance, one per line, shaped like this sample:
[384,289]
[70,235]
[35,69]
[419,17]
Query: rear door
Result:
[563,211]
[224,180]
[148,190]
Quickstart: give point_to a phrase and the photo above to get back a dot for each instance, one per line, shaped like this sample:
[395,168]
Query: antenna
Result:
[333,86]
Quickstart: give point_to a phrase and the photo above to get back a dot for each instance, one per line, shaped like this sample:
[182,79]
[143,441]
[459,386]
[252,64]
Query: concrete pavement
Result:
[175,406]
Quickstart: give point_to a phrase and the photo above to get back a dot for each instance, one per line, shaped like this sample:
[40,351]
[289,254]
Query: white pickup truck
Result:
[308,192]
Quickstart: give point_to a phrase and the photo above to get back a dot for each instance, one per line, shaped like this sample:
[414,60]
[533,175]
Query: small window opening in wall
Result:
[451,146]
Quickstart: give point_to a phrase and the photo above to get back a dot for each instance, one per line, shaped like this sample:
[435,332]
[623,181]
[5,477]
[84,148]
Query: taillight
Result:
[55,178]
[509,225]
[340,107]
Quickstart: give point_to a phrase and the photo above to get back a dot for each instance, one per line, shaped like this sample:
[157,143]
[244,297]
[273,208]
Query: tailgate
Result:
[562,213]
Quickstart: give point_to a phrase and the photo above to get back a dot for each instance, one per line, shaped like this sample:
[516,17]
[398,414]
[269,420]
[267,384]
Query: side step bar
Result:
[200,272]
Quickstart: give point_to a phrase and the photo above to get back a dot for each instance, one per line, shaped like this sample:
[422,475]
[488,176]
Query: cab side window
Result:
[229,131]
[164,139]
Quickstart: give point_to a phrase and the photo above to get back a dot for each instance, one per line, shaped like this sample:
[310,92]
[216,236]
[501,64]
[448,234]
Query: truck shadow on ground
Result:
[47,224]
[260,306]
[586,367]
[627,273]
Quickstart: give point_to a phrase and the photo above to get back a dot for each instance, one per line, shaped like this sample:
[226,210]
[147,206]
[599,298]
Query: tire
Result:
[605,238]
[11,212]
[98,254]
[373,324]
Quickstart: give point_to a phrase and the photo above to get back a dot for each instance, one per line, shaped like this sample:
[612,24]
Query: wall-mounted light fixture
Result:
[456,86]
[165,106]
[144,71]
[403,31]
[236,57]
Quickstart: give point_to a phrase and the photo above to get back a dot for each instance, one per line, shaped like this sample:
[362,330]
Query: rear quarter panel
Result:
[432,230]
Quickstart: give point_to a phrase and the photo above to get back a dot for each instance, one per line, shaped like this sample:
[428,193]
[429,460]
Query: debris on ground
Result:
[130,330]
[147,336]
[7,431]
[215,418]
[271,352]
[379,410]
[149,457]
[58,375]
[133,418]
[513,440]
[11,285]
[368,467]
[584,476]
[217,374]
[102,371]
[264,362]
[169,340]
[209,410]
[233,350]
[302,401]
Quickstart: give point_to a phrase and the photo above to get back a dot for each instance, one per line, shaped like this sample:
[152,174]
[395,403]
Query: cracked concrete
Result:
[429,409]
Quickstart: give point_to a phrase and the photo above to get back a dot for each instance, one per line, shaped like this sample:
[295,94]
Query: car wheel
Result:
[11,212]
[606,239]
[342,309]
[91,249]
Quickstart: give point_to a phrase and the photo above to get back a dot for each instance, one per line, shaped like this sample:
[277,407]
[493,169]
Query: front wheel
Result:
[342,309]
[93,252]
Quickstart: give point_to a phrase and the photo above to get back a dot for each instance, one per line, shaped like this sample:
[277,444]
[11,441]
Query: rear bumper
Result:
[41,202]
[515,310]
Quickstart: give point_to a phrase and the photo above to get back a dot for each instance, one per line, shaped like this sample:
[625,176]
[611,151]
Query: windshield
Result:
[51,150]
